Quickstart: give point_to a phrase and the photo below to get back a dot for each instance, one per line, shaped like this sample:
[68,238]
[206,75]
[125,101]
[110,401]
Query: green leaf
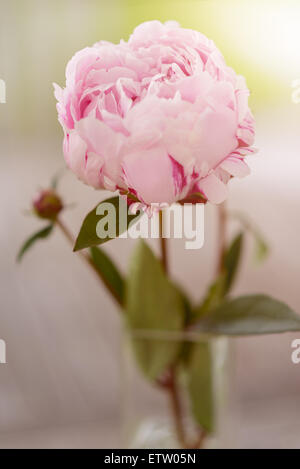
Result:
[155,310]
[212,299]
[187,306]
[250,315]
[232,260]
[199,372]
[108,271]
[222,285]
[261,249]
[42,234]
[111,217]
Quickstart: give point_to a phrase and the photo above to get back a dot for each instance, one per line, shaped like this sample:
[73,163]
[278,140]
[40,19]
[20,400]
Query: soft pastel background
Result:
[61,386]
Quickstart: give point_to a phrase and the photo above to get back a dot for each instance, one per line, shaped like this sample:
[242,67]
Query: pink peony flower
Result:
[160,116]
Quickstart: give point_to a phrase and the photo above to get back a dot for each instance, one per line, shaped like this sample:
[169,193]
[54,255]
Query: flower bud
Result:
[47,204]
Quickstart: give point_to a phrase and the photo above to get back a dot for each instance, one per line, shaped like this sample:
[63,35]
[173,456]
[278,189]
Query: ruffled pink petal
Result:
[74,151]
[213,189]
[93,170]
[178,176]
[235,167]
[215,131]
[146,33]
[242,94]
[79,61]
[86,165]
[246,130]
[58,92]
[109,76]
[150,174]
[103,141]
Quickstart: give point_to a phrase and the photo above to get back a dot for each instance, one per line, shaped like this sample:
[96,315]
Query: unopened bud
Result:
[47,204]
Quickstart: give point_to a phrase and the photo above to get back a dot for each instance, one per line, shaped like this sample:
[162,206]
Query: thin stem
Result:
[66,232]
[88,260]
[176,409]
[168,383]
[222,228]
[199,441]
[171,385]
[163,244]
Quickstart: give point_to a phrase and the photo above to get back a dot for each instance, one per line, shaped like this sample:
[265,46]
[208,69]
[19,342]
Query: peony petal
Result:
[235,167]
[74,151]
[215,135]
[150,174]
[213,189]
[103,141]
[93,170]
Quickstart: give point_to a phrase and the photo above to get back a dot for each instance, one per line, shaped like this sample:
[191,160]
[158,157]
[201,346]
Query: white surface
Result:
[271,424]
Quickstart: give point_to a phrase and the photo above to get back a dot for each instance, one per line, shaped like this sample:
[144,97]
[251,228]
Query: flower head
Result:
[161,116]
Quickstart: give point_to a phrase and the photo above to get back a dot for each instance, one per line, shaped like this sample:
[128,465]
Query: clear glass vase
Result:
[175,391]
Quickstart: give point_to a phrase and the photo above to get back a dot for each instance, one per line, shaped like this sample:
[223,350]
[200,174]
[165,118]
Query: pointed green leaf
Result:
[250,315]
[199,372]
[232,260]
[222,285]
[261,249]
[187,306]
[212,299]
[42,234]
[154,309]
[109,271]
[109,219]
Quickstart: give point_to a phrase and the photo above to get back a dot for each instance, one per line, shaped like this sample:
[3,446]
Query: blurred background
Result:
[61,387]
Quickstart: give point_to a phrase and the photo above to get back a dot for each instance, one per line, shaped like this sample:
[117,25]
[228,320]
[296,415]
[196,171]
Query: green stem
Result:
[176,409]
[171,385]
[163,244]
[221,242]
